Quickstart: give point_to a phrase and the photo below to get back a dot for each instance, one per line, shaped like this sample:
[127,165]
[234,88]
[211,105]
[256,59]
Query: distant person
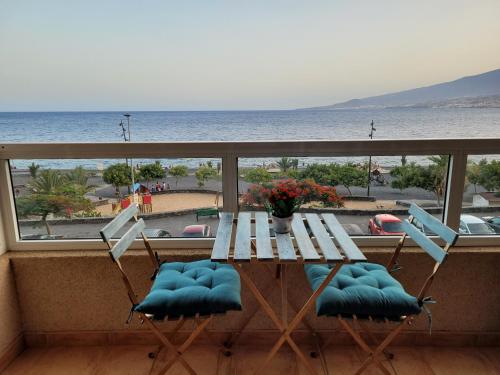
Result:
[168,186]
[163,186]
[158,186]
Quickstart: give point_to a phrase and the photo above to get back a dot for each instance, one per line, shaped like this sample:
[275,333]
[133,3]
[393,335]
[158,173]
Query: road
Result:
[176,224]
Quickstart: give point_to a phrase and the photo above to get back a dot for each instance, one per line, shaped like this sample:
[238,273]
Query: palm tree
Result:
[79,177]
[285,163]
[33,169]
[47,182]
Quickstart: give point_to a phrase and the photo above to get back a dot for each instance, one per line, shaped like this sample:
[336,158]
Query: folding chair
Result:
[194,290]
[367,291]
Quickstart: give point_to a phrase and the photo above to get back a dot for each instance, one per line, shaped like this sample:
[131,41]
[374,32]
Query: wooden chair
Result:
[196,290]
[367,292]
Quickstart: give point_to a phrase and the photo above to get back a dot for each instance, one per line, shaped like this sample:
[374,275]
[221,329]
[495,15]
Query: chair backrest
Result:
[448,235]
[119,248]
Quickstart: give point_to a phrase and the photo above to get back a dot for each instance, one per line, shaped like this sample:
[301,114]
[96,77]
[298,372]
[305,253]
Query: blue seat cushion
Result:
[361,289]
[202,287]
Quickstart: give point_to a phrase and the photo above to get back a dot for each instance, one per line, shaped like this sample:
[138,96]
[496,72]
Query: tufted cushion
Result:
[203,287]
[361,289]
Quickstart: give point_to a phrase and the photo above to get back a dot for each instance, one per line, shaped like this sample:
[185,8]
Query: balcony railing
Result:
[230,152]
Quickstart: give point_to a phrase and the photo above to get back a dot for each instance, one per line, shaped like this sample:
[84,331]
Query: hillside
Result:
[468,88]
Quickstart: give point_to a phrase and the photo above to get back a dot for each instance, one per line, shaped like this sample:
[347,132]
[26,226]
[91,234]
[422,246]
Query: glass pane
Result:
[365,204]
[481,201]
[71,199]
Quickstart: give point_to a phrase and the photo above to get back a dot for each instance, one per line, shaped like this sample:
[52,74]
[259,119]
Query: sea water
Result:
[94,127]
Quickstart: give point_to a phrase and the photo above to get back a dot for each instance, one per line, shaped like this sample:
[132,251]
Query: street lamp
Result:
[124,134]
[127,139]
[127,115]
[370,160]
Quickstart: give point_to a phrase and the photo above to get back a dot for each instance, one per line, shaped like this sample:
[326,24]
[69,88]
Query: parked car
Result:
[473,225]
[385,225]
[198,230]
[42,237]
[493,222]
[353,230]
[423,228]
[156,233]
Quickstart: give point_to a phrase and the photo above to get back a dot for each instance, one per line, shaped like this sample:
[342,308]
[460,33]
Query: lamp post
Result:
[127,115]
[124,134]
[370,161]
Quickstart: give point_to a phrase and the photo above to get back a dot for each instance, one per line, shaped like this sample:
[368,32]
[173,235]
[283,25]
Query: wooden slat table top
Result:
[222,242]
[238,248]
[304,243]
[262,237]
[286,250]
[327,246]
[347,245]
[242,249]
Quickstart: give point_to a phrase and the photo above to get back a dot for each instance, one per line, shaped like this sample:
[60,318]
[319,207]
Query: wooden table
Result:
[334,246]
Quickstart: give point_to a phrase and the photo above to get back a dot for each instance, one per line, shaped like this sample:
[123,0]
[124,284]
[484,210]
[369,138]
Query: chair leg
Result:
[214,342]
[373,339]
[359,340]
[373,354]
[179,351]
[171,336]
[166,342]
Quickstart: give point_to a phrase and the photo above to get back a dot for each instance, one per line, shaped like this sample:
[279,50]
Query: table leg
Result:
[285,335]
[284,297]
[285,328]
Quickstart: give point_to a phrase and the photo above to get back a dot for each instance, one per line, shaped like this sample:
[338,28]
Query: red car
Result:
[385,225]
[199,230]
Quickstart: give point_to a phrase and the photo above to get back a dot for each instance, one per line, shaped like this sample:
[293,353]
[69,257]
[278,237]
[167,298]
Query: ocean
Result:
[394,123]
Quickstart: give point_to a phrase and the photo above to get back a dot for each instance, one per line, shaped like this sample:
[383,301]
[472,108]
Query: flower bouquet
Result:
[285,197]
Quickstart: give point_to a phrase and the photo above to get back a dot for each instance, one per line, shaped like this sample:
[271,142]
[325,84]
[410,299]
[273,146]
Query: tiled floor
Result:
[205,360]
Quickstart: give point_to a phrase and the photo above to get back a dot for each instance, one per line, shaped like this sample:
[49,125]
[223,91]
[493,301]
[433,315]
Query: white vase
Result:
[282,224]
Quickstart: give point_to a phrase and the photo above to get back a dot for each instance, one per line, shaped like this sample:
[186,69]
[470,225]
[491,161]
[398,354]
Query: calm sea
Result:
[244,125]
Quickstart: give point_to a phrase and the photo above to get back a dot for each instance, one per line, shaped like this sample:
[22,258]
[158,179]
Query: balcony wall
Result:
[11,339]
[78,297]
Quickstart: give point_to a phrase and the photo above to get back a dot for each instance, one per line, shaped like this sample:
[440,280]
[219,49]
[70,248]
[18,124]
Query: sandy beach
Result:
[174,202]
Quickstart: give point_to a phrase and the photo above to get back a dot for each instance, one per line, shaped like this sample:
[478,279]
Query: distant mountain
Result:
[491,101]
[463,89]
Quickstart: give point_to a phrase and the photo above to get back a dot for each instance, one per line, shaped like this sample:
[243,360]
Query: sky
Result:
[234,55]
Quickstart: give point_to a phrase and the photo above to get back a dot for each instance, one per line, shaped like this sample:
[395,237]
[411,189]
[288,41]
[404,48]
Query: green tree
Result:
[319,173]
[178,171]
[490,174]
[48,182]
[118,175]
[474,174]
[52,193]
[79,177]
[431,178]
[203,173]
[349,175]
[33,168]
[285,163]
[153,171]
[257,175]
